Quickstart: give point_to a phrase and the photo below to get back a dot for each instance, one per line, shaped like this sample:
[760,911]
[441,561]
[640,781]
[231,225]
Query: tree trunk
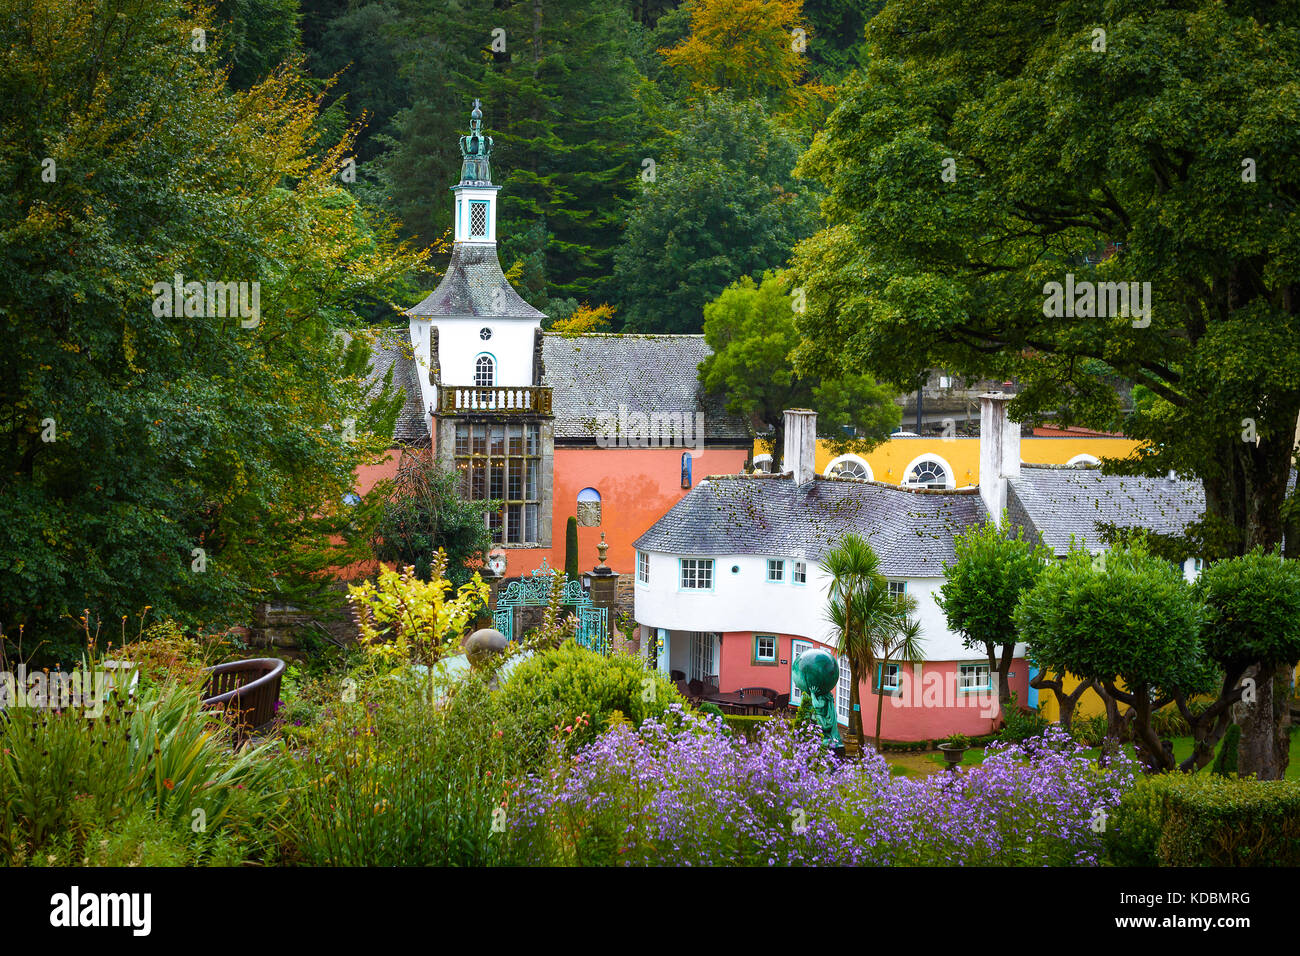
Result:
[1264,749]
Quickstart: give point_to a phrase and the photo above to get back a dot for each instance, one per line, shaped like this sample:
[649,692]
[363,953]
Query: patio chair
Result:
[712,681]
[782,702]
[695,690]
[678,675]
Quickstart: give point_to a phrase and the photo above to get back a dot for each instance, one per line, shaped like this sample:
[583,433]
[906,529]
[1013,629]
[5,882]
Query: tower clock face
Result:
[485,334]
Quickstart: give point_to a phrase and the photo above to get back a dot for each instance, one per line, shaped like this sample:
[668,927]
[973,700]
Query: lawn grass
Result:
[1182,750]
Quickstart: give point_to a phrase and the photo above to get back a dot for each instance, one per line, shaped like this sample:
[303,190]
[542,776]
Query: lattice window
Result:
[485,371]
[848,468]
[478,220]
[503,463]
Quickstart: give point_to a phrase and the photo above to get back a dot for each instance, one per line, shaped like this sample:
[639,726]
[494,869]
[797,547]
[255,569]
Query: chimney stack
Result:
[999,452]
[800,453]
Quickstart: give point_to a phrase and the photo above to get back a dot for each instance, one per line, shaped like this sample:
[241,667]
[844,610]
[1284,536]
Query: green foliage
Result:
[394,780]
[1127,617]
[1133,830]
[423,513]
[257,35]
[712,709]
[405,620]
[558,687]
[67,779]
[134,438]
[1225,764]
[1019,725]
[746,725]
[1253,609]
[571,548]
[750,329]
[957,740]
[1222,821]
[982,588]
[1128,165]
[723,204]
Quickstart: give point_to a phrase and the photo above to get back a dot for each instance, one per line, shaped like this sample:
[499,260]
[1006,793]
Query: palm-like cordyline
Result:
[859,606]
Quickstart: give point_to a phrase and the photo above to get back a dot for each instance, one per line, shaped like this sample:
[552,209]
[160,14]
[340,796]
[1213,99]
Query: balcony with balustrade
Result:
[494,400]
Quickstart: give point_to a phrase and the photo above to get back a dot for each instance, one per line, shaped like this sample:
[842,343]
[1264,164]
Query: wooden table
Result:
[747,703]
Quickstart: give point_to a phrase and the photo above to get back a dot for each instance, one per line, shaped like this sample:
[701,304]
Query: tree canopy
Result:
[989,151]
[751,330]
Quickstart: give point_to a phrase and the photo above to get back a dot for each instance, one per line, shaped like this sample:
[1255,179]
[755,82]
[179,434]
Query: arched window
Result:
[1084,460]
[589,507]
[928,471]
[763,463]
[848,466]
[485,371]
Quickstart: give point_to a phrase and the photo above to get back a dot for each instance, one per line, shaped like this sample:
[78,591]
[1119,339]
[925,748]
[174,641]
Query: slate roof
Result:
[474,285]
[1058,501]
[392,349]
[911,530]
[592,375]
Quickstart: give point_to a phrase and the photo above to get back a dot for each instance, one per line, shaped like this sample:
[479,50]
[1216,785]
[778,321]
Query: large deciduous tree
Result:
[991,149]
[997,158]
[194,459]
[1252,628]
[750,329]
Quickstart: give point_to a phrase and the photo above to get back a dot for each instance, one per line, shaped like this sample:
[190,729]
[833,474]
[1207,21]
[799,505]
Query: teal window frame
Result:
[983,688]
[877,685]
[777,565]
[776,651]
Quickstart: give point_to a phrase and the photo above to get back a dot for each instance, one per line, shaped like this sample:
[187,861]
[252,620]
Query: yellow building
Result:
[953,462]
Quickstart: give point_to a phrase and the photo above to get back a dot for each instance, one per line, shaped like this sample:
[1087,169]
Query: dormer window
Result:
[485,371]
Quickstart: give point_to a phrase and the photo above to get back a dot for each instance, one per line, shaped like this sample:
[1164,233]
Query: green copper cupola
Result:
[476,197]
[476,152]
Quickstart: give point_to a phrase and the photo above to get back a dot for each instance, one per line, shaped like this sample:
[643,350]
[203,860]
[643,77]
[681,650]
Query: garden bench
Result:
[246,692]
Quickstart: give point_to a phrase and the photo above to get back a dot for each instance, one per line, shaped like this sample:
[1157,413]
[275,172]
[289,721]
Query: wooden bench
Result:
[246,692]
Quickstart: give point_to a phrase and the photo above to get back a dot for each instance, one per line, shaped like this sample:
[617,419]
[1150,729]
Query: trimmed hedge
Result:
[745,724]
[1207,820]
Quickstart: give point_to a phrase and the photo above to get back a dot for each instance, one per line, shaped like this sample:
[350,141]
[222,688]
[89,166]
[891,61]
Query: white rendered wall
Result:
[746,601]
[511,346]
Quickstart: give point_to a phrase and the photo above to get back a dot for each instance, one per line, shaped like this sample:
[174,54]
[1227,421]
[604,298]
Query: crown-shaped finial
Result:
[476,150]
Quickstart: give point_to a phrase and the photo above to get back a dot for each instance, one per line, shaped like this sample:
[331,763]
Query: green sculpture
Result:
[817,674]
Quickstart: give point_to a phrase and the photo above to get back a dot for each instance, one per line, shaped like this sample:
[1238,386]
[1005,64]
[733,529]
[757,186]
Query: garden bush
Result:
[69,777]
[1223,821]
[745,725]
[1206,820]
[684,792]
[397,778]
[556,687]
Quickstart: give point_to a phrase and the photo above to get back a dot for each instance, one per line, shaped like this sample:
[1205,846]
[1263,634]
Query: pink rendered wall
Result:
[636,486]
[929,710]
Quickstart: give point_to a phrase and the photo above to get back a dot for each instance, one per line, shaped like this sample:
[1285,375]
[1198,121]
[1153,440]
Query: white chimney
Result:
[800,454]
[999,452]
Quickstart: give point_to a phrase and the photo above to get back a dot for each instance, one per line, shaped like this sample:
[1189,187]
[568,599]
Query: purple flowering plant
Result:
[683,791]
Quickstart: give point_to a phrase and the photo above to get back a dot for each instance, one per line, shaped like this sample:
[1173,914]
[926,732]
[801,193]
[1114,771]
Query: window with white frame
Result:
[848,466]
[797,649]
[843,691]
[927,473]
[775,570]
[478,219]
[702,654]
[643,567]
[764,648]
[973,677]
[697,574]
[799,573]
[889,679]
[485,371]
[897,589]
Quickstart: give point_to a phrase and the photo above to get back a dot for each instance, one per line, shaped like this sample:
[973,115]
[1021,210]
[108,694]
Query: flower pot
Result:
[952,754]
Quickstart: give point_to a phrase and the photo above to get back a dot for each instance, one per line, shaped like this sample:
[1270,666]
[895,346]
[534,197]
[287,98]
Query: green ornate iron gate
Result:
[535,591]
